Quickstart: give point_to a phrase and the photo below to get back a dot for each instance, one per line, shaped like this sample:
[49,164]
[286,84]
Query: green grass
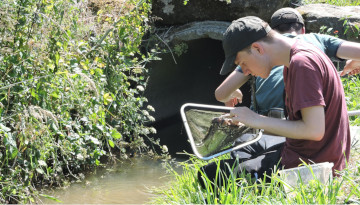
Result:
[334,2]
[185,189]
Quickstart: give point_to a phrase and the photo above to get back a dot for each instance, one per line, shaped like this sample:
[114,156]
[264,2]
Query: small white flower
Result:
[152,130]
[145,112]
[140,87]
[80,157]
[150,108]
[151,118]
[145,131]
[164,148]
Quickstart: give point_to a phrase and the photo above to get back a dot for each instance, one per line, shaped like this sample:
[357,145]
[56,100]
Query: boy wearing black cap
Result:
[269,92]
[314,98]
[282,20]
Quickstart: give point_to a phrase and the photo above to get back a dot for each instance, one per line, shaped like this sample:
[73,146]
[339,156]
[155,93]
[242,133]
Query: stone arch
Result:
[193,78]
[196,30]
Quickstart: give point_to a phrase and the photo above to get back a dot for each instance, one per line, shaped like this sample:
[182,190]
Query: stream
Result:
[129,182]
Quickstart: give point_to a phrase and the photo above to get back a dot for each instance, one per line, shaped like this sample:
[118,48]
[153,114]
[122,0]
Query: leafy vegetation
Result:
[71,89]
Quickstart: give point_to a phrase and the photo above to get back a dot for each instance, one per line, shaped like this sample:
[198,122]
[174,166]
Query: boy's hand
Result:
[245,116]
[236,97]
[352,67]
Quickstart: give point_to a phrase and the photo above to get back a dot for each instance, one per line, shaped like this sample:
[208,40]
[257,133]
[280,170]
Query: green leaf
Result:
[54,127]
[107,98]
[33,93]
[57,58]
[111,143]
[115,134]
[13,152]
[50,197]
[54,95]
[10,144]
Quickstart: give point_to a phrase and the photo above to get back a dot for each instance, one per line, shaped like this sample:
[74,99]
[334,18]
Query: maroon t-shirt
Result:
[312,80]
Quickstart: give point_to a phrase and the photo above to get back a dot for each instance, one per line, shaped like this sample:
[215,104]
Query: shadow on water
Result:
[124,183]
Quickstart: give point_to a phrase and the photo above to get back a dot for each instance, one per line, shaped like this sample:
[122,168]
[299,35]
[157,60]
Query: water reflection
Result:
[125,183]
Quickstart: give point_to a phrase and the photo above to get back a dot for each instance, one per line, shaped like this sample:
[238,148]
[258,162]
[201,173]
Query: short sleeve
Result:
[331,45]
[306,84]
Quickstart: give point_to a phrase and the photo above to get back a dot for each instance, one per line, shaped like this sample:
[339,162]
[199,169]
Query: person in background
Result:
[314,99]
[269,91]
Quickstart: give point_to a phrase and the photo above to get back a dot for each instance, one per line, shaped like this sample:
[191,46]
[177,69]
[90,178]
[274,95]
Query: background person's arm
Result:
[349,50]
[229,91]
[336,49]
[310,127]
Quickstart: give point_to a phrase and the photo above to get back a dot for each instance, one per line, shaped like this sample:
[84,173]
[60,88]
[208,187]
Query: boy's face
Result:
[253,63]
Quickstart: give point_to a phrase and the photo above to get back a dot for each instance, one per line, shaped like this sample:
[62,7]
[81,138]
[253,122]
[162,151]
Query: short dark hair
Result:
[286,27]
[269,38]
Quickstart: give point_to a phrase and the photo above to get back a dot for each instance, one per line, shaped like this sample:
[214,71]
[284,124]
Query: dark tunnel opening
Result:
[192,80]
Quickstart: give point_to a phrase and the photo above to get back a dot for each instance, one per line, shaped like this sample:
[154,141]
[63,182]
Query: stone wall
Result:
[174,12]
[318,15]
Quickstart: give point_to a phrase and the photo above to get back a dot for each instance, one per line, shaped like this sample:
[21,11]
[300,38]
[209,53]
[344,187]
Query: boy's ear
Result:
[257,47]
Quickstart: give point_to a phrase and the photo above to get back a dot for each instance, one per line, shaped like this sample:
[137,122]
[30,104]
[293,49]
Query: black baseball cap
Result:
[240,34]
[286,15]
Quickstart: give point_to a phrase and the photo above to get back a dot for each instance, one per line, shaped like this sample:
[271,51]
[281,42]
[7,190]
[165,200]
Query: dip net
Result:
[212,135]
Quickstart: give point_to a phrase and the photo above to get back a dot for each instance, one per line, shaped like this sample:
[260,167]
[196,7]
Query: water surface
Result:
[124,183]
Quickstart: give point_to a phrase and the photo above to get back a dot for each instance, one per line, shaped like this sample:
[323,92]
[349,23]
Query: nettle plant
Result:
[71,89]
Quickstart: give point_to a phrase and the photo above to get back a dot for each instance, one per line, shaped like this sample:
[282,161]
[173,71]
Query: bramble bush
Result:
[71,89]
